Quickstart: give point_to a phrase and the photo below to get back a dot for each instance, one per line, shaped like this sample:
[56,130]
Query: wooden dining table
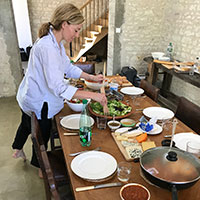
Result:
[104,139]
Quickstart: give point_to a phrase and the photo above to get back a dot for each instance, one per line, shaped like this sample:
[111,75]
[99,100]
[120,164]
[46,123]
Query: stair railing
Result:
[95,13]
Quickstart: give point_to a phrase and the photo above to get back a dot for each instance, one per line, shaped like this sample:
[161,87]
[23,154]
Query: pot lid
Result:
[172,165]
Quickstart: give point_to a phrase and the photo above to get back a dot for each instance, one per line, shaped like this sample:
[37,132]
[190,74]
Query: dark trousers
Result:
[24,130]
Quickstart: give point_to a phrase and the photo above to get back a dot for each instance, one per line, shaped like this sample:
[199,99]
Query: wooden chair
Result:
[54,136]
[52,165]
[150,90]
[189,114]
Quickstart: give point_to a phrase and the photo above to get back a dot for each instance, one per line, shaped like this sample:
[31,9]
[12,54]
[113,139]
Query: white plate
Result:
[158,112]
[156,130]
[181,139]
[94,165]
[132,90]
[72,121]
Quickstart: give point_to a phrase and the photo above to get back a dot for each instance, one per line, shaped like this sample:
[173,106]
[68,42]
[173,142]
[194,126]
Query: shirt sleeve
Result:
[71,71]
[53,68]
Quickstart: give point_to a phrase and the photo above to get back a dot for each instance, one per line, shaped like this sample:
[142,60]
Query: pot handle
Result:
[174,193]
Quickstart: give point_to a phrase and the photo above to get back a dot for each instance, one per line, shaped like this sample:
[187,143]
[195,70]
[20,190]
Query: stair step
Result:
[88,39]
[94,32]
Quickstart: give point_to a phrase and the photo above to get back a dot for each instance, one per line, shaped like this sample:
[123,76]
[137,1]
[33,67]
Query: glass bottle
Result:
[170,51]
[85,132]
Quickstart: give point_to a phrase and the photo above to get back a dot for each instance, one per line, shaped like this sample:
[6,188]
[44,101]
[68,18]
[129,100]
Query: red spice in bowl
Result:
[134,191]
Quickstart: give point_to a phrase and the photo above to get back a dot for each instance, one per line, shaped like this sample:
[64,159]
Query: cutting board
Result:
[121,148]
[174,63]
[118,78]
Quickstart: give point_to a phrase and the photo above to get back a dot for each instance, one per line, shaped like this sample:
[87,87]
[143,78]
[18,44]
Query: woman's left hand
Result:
[97,78]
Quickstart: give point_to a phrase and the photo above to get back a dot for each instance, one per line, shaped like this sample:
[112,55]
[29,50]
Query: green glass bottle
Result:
[85,132]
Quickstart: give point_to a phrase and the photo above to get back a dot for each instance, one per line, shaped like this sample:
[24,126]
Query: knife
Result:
[134,128]
[69,134]
[79,189]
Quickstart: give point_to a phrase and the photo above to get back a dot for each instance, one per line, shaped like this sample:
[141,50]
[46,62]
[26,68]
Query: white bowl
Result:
[134,185]
[127,122]
[114,124]
[157,55]
[95,85]
[77,107]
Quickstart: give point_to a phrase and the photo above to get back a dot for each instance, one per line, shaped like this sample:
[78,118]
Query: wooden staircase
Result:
[94,28]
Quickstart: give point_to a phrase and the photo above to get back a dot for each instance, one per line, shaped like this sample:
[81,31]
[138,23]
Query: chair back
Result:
[48,177]
[189,114]
[150,90]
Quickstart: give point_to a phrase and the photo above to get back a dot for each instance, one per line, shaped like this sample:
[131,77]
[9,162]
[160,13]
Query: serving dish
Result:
[75,106]
[109,116]
[134,191]
[95,85]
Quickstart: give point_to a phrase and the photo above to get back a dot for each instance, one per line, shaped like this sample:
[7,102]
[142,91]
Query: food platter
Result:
[109,116]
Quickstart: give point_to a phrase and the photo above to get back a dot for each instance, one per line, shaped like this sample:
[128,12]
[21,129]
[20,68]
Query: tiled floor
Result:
[18,180]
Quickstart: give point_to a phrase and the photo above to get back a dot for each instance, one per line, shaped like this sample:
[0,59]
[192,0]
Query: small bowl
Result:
[114,124]
[77,107]
[157,55]
[127,122]
[95,85]
[134,187]
[167,142]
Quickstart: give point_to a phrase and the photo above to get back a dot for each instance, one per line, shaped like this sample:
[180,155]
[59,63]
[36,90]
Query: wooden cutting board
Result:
[148,144]
[121,148]
[173,63]
[121,80]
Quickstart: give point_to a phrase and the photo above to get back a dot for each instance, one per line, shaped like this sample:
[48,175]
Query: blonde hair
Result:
[65,12]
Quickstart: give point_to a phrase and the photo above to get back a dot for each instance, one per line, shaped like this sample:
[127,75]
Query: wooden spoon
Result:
[105,107]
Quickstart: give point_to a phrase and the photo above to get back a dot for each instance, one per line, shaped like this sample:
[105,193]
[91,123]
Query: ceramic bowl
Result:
[95,85]
[157,55]
[127,122]
[77,107]
[134,189]
[114,124]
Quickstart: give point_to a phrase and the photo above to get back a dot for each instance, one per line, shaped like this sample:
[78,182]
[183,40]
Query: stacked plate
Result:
[181,139]
[158,112]
[94,166]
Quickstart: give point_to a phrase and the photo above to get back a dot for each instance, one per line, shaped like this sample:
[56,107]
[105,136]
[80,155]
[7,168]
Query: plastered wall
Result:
[149,25]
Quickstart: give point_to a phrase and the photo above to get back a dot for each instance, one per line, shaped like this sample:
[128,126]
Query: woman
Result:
[43,89]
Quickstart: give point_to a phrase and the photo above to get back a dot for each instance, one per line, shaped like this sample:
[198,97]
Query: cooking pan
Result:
[170,168]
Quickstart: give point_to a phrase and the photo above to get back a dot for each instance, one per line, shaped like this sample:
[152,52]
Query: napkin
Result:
[146,125]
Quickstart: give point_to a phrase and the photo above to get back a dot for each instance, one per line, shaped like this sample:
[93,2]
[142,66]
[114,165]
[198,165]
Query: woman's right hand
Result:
[100,97]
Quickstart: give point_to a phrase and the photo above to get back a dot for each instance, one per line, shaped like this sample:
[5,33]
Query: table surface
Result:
[192,79]
[103,138]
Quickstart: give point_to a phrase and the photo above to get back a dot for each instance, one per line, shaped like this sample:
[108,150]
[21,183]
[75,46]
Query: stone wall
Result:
[10,66]
[40,11]
[149,25]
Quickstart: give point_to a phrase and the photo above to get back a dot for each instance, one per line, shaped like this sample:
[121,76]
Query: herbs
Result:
[116,108]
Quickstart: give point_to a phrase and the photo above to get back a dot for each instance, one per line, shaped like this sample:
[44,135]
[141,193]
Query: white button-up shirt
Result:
[44,78]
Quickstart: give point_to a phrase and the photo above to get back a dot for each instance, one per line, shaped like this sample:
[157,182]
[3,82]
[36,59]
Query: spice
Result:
[134,192]
[114,124]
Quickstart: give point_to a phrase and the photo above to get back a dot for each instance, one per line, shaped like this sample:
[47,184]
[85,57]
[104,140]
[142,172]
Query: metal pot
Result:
[172,169]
